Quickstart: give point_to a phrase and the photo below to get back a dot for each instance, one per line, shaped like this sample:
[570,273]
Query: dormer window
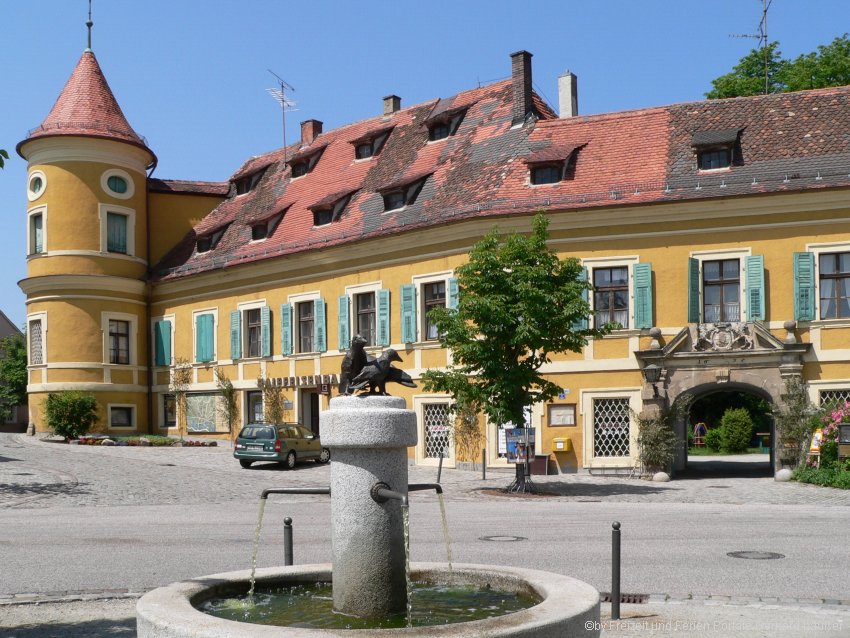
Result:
[264,228]
[300,169]
[305,161]
[206,243]
[444,121]
[331,208]
[438,131]
[552,164]
[403,192]
[715,149]
[258,231]
[249,182]
[371,144]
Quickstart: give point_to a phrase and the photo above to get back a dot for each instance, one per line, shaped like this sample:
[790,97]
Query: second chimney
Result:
[568,95]
[310,130]
[392,103]
[521,80]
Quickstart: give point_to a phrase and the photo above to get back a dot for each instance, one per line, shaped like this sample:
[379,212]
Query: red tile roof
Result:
[788,142]
[187,187]
[87,107]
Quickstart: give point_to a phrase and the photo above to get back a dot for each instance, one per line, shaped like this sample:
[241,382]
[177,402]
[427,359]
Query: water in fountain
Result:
[446,536]
[256,548]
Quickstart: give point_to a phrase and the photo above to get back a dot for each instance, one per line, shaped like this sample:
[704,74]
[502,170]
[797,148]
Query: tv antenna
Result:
[286,104]
[761,36]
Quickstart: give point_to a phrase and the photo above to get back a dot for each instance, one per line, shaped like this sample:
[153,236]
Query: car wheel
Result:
[324,456]
[289,463]
[245,463]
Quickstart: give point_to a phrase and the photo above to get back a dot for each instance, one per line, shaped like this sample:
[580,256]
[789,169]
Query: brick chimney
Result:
[568,95]
[392,103]
[521,79]
[310,130]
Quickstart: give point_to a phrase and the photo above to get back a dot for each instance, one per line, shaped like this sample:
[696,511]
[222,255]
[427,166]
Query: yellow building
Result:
[715,233]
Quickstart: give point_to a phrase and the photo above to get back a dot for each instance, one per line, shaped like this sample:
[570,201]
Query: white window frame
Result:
[33,174]
[818,249]
[40,317]
[214,313]
[130,214]
[294,300]
[814,388]
[243,309]
[627,261]
[419,402]
[360,289]
[133,416]
[719,254]
[154,320]
[32,212]
[117,172]
[420,281]
[586,398]
[133,320]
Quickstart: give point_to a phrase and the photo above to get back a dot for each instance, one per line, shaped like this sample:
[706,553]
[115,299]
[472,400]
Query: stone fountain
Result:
[368,437]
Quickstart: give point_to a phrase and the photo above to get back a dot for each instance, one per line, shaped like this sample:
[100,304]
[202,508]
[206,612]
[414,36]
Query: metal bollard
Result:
[615,571]
[287,541]
[440,467]
[484,464]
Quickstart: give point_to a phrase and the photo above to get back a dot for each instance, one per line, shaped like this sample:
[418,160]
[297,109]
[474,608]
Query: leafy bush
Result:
[736,430]
[712,439]
[827,477]
[71,413]
[656,438]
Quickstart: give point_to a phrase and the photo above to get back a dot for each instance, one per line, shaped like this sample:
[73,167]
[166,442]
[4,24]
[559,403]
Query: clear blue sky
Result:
[192,76]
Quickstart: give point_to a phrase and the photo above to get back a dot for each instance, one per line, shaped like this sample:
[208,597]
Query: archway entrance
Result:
[739,445]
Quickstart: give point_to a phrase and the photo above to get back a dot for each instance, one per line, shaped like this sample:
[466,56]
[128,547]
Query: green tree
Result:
[71,413]
[736,430]
[828,66]
[4,155]
[181,379]
[518,303]
[747,77]
[13,373]
[229,406]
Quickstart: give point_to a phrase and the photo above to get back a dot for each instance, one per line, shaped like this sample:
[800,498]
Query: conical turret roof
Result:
[87,107]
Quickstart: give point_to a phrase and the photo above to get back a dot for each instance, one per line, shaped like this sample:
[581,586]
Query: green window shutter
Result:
[408,313]
[320,335]
[235,334]
[204,337]
[116,233]
[266,330]
[804,286]
[581,323]
[754,267]
[383,317]
[453,290]
[693,290]
[162,343]
[286,329]
[342,323]
[642,274]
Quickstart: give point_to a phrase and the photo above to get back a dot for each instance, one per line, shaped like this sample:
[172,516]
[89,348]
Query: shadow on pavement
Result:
[107,628]
[751,466]
[42,489]
[558,488]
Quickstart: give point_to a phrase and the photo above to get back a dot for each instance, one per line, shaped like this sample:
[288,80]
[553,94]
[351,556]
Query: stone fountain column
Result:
[368,437]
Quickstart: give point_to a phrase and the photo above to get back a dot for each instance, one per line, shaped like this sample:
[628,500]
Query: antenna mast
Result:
[286,104]
[89,25]
[761,36]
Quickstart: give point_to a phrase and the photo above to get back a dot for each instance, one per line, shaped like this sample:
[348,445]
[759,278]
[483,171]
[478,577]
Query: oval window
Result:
[36,184]
[117,184]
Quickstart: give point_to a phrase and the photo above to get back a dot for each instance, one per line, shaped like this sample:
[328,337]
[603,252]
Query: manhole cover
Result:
[756,555]
[631,599]
[503,539]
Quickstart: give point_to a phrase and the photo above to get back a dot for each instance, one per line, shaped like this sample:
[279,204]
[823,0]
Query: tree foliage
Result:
[13,373]
[518,303]
[181,379]
[229,405]
[4,155]
[71,413]
[828,66]
[795,419]
[656,439]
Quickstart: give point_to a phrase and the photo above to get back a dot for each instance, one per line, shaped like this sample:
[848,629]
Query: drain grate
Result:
[168,465]
[629,599]
[503,538]
[756,555]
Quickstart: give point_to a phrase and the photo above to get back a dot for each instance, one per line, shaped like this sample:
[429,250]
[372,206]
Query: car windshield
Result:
[257,432]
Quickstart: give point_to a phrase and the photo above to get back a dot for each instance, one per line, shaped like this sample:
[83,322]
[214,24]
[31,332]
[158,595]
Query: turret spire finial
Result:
[89,25]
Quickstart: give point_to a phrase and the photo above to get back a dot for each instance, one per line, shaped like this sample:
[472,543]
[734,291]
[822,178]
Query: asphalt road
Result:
[76,519]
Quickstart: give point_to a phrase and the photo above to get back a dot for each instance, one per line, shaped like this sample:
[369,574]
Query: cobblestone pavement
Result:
[36,473]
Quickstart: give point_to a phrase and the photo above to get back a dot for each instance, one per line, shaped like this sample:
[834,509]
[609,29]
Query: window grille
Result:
[437,430]
[834,397]
[36,351]
[611,427]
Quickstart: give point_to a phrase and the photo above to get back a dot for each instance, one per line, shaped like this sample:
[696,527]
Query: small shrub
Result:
[71,413]
[826,477]
[736,430]
[829,454]
[712,439]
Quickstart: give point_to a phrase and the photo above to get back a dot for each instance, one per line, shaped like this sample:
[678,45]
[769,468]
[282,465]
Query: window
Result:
[265,228]
[206,243]
[254,401]
[305,326]
[169,411]
[300,169]
[443,121]
[249,182]
[715,148]
[434,296]
[364,150]
[721,290]
[611,427]
[117,183]
[37,184]
[611,296]
[364,321]
[711,160]
[437,427]
[370,144]
[121,416]
[250,331]
[253,332]
[323,217]
[438,131]
[204,337]
[834,279]
[258,231]
[394,200]
[330,208]
[119,341]
[403,193]
[35,331]
[547,174]
[36,239]
[116,233]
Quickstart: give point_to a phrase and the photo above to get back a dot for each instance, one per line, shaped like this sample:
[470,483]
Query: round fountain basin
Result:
[568,607]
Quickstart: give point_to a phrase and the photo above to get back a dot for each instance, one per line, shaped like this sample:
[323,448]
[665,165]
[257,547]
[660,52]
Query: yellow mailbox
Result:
[562,444]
